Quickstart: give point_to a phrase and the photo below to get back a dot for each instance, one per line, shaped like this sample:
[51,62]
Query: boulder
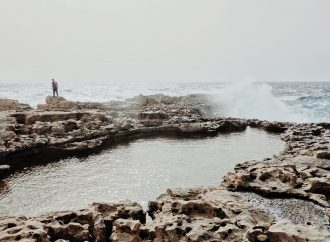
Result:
[7,104]
[126,230]
[52,100]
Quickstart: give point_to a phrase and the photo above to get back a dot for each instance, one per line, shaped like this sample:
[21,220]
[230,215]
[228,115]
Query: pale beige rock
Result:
[262,237]
[7,135]
[52,100]
[7,104]
[285,231]
[327,212]
[200,214]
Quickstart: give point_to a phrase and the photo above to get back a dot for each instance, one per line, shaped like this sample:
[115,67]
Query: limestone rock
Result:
[7,104]
[288,179]
[7,135]
[126,230]
[51,100]
[200,214]
[285,231]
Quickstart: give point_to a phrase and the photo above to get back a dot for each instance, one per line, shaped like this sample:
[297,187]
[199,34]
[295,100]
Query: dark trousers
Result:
[55,91]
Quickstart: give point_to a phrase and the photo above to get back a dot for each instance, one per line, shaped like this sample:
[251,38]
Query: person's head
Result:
[53,80]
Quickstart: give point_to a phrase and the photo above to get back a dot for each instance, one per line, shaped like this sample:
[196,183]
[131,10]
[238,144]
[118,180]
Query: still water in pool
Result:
[138,171]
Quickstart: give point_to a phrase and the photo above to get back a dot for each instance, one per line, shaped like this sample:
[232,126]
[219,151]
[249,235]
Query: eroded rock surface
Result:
[66,127]
[301,177]
[199,214]
[12,105]
[220,213]
[92,224]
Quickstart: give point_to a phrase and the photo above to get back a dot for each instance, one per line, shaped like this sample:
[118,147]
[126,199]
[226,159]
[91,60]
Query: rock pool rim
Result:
[193,121]
[46,155]
[197,214]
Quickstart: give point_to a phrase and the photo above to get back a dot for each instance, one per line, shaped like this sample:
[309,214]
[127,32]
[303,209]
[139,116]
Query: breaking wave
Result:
[252,100]
[295,102]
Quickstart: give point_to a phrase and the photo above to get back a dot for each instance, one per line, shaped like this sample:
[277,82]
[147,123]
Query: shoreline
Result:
[198,214]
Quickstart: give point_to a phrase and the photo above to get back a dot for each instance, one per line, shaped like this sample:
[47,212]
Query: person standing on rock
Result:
[55,87]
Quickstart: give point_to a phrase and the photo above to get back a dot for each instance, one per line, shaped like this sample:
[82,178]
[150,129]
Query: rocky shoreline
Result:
[62,128]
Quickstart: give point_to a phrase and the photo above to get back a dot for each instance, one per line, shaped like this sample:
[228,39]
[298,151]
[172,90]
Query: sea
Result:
[275,101]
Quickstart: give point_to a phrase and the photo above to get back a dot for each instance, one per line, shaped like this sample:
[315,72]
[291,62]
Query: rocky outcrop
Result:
[203,215]
[61,104]
[301,171]
[12,105]
[66,127]
[222,213]
[6,104]
[302,177]
[199,214]
[95,223]
[308,139]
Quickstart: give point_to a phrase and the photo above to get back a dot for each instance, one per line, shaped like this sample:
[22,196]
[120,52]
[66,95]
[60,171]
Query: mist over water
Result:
[296,102]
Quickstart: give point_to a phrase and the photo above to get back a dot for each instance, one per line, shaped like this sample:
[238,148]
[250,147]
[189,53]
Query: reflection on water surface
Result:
[139,171]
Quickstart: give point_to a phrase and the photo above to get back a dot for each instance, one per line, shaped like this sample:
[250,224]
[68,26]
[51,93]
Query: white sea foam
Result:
[252,100]
[298,102]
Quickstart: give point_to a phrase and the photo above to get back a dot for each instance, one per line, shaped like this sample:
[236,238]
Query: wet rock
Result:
[232,125]
[4,169]
[191,128]
[276,127]
[323,155]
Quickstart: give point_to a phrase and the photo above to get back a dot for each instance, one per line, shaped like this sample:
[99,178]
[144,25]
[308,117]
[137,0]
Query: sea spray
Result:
[286,101]
[251,100]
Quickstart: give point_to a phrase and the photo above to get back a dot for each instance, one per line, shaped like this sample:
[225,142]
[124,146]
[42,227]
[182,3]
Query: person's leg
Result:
[53,92]
[56,92]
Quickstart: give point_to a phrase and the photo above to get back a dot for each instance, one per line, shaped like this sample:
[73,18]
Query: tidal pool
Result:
[139,171]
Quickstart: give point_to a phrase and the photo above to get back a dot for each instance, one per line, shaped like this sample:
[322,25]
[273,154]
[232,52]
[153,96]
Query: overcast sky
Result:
[165,40]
